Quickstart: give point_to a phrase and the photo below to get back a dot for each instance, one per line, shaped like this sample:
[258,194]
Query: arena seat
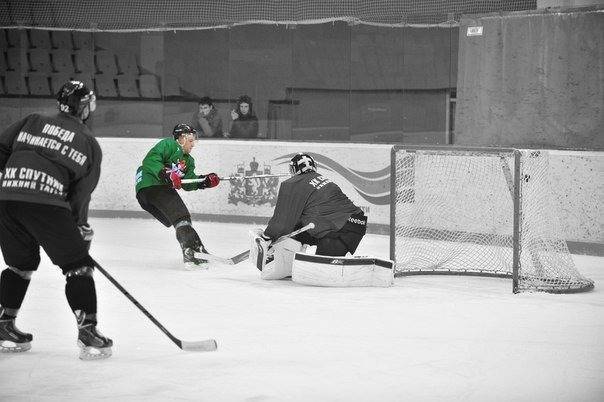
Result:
[171,86]
[40,60]
[127,63]
[126,85]
[14,37]
[15,83]
[62,62]
[16,58]
[105,62]
[3,40]
[58,79]
[39,38]
[149,86]
[38,84]
[3,63]
[105,85]
[61,40]
[84,61]
[83,41]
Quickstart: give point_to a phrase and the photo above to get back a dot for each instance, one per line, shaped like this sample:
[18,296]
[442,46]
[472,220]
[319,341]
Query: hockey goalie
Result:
[311,210]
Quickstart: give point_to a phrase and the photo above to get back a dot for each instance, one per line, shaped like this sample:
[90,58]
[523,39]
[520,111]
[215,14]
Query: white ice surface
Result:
[424,339]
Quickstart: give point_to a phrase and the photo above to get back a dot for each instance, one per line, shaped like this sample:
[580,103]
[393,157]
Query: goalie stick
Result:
[245,254]
[259,176]
[207,345]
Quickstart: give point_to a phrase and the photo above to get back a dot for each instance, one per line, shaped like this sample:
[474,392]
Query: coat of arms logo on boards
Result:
[250,191]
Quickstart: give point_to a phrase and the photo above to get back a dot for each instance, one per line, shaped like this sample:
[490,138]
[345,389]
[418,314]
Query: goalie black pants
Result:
[339,243]
[25,227]
[164,203]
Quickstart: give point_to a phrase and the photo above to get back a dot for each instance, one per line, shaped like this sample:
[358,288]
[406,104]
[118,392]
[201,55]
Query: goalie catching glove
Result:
[210,180]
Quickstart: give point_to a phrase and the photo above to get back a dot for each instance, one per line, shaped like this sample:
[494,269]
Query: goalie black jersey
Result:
[51,160]
[310,197]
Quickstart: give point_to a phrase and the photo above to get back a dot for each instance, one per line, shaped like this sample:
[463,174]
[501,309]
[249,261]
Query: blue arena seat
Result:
[39,38]
[126,85]
[38,84]
[3,63]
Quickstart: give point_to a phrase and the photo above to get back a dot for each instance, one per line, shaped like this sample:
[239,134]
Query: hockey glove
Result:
[87,234]
[175,174]
[210,180]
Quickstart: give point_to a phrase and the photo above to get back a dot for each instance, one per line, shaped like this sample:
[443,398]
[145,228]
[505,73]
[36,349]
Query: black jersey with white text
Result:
[310,197]
[51,160]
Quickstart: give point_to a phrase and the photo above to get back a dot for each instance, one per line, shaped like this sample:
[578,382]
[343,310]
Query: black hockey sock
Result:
[12,290]
[81,294]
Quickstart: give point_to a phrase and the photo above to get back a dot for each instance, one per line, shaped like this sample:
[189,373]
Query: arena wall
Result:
[362,170]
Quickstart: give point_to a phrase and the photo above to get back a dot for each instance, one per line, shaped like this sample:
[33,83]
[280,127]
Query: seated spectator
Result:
[206,120]
[245,122]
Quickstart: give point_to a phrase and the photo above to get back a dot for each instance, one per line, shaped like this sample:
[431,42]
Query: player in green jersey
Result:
[157,180]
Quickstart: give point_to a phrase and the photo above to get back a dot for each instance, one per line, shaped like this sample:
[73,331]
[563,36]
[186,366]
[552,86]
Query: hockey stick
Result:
[245,254]
[215,258]
[259,176]
[207,345]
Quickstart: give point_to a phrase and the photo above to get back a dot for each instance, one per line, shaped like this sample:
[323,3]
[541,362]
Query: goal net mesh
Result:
[453,213]
[118,15]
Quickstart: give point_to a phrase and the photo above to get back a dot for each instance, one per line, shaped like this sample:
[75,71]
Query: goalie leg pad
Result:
[258,248]
[283,257]
[318,270]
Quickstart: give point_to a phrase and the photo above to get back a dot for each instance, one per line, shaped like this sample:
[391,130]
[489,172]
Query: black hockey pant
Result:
[339,242]
[164,203]
[24,227]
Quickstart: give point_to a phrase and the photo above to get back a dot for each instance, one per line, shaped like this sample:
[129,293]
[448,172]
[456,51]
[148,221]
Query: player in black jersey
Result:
[49,167]
[311,197]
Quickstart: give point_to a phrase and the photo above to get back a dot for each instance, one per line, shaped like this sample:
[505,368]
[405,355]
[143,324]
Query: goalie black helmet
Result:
[181,129]
[76,99]
[302,163]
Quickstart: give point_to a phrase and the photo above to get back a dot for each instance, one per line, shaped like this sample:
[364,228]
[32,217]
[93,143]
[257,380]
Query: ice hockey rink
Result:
[426,338]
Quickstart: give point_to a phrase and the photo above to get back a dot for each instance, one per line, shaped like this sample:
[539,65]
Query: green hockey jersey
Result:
[163,155]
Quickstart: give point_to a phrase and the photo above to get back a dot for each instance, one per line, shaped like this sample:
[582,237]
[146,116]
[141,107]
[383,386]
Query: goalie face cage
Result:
[482,212]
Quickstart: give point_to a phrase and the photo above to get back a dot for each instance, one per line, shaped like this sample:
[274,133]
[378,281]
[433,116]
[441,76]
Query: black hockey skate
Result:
[11,339]
[193,263]
[93,345]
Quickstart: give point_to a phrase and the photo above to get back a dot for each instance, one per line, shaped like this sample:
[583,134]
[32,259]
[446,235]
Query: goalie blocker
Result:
[320,270]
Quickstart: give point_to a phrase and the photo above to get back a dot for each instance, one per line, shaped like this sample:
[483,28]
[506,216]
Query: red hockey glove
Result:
[176,173]
[210,180]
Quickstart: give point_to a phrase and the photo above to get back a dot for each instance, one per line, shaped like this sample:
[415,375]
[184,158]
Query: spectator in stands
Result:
[206,120]
[245,122]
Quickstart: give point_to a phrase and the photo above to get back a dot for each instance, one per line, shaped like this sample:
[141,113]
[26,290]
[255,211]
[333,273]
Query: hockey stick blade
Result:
[245,254]
[208,345]
[214,258]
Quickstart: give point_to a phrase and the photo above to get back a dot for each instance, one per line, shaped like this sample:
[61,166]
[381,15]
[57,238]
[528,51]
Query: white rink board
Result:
[579,188]
[371,176]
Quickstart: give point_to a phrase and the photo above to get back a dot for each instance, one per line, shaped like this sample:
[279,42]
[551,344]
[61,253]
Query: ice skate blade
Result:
[12,347]
[92,353]
[191,266]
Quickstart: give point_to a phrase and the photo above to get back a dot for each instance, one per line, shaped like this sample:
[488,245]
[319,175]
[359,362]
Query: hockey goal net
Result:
[483,212]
